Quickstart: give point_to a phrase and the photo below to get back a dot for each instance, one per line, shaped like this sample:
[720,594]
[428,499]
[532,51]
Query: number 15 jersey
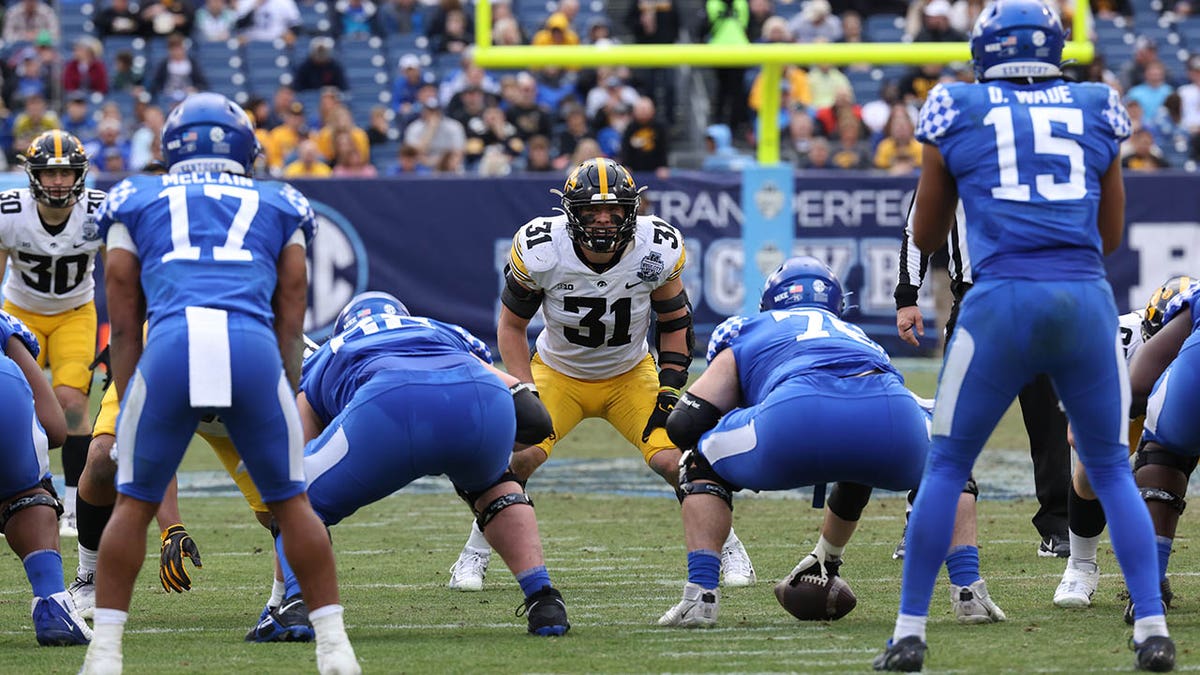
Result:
[596,322]
[1027,160]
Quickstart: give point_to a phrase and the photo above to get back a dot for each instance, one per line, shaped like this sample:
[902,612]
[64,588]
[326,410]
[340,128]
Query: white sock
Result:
[830,550]
[1150,627]
[327,624]
[69,501]
[108,628]
[1083,549]
[477,541]
[87,561]
[907,625]
[277,590]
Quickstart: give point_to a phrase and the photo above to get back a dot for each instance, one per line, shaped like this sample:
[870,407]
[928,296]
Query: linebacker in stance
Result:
[33,421]
[597,272]
[393,397]
[224,290]
[49,239]
[1035,161]
[796,365]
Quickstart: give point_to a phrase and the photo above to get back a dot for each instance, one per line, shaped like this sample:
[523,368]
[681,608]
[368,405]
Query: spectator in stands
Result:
[28,20]
[85,71]
[797,137]
[454,36]
[825,83]
[936,24]
[776,29]
[32,121]
[506,32]
[437,24]
[379,126]
[495,163]
[1189,98]
[144,144]
[427,90]
[465,75]
[78,119]
[440,139]
[109,140]
[169,17]
[538,155]
[963,14]
[349,162]
[1096,71]
[215,22]
[819,155]
[1145,52]
[616,118]
[489,130]
[915,85]
[850,151]
[587,149]
[402,17]
[599,32]
[1153,90]
[356,19]
[408,163]
[268,20]
[796,91]
[656,22]
[816,23]
[259,111]
[524,111]
[570,9]
[320,69]
[1137,120]
[555,87]
[556,31]
[574,130]
[899,152]
[30,78]
[727,24]
[852,27]
[832,117]
[760,11]
[341,121]
[410,79]
[720,155]
[178,74]
[285,138]
[612,89]
[118,18]
[308,163]
[1145,155]
[281,100]
[468,104]
[1111,9]
[646,144]
[125,76]
[1167,125]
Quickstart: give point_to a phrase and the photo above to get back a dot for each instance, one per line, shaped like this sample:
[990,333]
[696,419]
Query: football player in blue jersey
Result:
[216,262]
[394,397]
[33,422]
[788,400]
[1165,380]
[1035,161]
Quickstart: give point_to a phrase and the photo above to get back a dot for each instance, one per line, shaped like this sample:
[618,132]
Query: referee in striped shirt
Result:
[1044,420]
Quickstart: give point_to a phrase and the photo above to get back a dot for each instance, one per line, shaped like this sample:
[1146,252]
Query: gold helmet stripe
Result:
[57,143]
[602,169]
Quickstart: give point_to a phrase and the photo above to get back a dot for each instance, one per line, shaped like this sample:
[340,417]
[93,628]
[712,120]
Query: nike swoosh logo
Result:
[629,286]
[79,245]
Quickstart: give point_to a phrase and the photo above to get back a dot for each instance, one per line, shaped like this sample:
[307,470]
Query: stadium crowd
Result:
[358,88]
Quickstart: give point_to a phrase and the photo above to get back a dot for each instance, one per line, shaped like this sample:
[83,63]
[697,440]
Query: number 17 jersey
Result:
[1027,160]
[206,239]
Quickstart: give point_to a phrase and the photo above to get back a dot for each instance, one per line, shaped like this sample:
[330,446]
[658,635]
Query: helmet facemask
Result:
[58,197]
[56,150]
[600,182]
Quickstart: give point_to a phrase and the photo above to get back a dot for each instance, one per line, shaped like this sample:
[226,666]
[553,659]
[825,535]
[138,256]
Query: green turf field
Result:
[620,562]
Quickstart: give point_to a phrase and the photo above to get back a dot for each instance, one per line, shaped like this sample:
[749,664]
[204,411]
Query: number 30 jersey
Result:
[51,273]
[596,323]
[206,239]
[1027,160]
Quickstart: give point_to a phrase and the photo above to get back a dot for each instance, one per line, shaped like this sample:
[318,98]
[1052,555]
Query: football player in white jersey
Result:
[1087,521]
[49,242]
[598,272]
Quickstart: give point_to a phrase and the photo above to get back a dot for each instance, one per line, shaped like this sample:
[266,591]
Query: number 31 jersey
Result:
[1027,160]
[596,323]
[51,273]
[206,239]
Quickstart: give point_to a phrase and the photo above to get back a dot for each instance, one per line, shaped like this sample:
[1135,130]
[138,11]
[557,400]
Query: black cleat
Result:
[906,656]
[546,612]
[285,623]
[1167,596]
[1155,654]
[1055,546]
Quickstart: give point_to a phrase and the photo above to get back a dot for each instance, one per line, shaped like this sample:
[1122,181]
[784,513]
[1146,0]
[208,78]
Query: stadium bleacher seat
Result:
[884,28]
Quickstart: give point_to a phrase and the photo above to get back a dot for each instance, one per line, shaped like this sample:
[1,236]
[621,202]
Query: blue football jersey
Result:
[774,346]
[206,239]
[1027,160]
[1187,300]
[11,326]
[335,371]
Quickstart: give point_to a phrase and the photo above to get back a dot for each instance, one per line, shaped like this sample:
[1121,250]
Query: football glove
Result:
[177,543]
[667,398]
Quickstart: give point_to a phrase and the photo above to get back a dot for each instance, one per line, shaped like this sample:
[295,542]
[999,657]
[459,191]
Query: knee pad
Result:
[692,467]
[533,420]
[499,504]
[847,500]
[691,418]
[27,502]
[1169,498]
[1155,454]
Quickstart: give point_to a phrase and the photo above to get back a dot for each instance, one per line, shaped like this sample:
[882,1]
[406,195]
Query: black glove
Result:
[177,543]
[667,398]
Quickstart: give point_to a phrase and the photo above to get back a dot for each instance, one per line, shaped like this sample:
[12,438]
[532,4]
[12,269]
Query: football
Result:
[808,597]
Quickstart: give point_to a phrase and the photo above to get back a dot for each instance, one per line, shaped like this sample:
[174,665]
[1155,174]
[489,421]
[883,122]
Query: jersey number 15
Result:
[1044,143]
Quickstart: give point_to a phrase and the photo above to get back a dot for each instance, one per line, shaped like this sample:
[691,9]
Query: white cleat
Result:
[468,572]
[1078,584]
[67,526]
[736,568]
[972,604]
[698,609]
[83,592]
[339,660]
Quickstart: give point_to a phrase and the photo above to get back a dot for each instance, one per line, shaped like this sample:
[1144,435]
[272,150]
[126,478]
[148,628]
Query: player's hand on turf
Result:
[667,398]
[176,544]
[910,324]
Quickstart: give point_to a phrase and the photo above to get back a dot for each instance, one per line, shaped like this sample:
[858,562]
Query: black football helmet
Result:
[600,181]
[1152,318]
[54,150]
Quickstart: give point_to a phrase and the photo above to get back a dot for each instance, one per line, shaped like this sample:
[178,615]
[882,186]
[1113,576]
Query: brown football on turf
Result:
[809,598]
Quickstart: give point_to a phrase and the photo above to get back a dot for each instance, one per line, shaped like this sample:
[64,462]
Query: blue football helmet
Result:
[212,130]
[1017,38]
[802,281]
[368,304]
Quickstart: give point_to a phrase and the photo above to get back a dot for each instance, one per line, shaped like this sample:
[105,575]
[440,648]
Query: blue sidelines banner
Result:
[440,243]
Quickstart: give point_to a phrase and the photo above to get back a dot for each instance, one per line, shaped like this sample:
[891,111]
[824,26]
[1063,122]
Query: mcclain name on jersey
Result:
[52,268]
[596,322]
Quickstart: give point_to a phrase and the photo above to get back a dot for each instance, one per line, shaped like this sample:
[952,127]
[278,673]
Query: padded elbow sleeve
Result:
[533,420]
[518,299]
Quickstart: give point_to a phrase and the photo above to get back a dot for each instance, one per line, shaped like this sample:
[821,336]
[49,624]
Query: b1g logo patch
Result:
[652,267]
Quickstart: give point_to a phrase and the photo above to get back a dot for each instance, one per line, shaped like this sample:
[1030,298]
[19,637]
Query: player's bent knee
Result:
[847,500]
[696,476]
[485,514]
[28,501]
[533,420]
[494,507]
[691,418]
[1152,494]
[1152,454]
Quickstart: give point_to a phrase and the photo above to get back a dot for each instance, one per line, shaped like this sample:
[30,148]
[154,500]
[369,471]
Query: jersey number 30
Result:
[232,250]
[1044,143]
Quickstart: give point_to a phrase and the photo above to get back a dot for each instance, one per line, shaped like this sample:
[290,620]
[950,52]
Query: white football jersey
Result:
[596,323]
[49,273]
[1131,334]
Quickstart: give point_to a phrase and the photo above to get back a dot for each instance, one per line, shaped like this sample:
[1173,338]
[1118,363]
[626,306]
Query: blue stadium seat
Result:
[884,28]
